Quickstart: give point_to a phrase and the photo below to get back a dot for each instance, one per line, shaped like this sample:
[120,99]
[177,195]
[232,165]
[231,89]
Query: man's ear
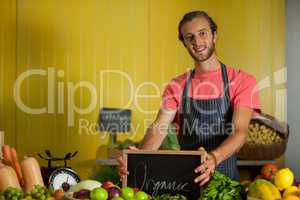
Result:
[215,37]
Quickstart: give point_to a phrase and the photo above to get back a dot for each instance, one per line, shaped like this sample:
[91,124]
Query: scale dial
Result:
[63,177]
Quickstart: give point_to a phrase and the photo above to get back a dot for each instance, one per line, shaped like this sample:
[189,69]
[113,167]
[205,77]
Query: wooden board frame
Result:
[126,153]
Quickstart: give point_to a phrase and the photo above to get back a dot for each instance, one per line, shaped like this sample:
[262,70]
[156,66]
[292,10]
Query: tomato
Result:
[268,171]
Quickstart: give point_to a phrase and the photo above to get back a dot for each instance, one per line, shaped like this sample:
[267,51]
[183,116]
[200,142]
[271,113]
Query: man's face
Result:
[198,39]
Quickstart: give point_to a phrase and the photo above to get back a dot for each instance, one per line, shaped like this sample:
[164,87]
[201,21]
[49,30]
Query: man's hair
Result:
[194,14]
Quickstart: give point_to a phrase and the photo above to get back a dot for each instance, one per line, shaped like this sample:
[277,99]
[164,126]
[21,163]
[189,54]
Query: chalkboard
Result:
[160,172]
[115,120]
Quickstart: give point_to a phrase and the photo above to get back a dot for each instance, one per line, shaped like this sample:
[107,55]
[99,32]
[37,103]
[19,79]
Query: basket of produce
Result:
[266,140]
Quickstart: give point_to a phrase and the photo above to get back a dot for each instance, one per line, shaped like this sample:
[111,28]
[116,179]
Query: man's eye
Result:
[202,34]
[190,38]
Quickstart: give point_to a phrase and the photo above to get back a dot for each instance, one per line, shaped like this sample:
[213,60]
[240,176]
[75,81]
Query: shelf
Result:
[109,162]
[114,162]
[254,162]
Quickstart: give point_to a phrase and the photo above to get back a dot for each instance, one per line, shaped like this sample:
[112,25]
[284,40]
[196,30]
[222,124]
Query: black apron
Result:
[207,123]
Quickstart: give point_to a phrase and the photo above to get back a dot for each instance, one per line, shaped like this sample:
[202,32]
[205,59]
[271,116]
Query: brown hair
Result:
[190,16]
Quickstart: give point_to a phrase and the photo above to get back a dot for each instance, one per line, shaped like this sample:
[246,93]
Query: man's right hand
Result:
[122,165]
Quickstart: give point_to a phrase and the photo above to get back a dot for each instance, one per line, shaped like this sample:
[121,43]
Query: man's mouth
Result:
[199,50]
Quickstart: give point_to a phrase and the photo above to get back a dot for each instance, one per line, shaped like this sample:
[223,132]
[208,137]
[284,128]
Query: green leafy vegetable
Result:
[170,142]
[170,197]
[107,173]
[222,187]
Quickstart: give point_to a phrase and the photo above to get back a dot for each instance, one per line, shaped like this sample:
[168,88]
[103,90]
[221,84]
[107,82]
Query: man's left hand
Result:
[206,169]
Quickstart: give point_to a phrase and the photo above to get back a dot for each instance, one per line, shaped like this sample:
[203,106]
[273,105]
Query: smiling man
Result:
[211,104]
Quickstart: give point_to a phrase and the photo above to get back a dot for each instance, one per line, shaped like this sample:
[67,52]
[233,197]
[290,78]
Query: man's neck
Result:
[209,65]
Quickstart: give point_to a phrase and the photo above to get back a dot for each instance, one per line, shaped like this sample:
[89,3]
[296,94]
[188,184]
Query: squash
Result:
[8,178]
[32,174]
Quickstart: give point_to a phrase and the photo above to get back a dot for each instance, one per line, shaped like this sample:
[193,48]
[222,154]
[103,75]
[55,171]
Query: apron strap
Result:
[226,100]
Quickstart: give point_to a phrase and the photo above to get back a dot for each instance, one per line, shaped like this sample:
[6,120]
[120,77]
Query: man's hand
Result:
[207,168]
[122,165]
[155,134]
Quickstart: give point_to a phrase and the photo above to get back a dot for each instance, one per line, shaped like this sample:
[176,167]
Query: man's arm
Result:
[241,119]
[157,131]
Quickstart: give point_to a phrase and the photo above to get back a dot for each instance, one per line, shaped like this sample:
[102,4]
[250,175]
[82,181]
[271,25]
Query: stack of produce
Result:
[261,134]
[20,181]
[170,197]
[107,191]
[222,187]
[274,184]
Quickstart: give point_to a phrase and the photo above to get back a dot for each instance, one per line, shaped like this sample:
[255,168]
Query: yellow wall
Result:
[7,69]
[137,37]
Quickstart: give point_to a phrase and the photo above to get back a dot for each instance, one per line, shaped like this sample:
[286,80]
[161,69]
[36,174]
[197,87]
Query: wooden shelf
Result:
[114,162]
[254,162]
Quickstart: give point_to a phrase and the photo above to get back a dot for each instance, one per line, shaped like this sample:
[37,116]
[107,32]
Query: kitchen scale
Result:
[63,178]
[59,177]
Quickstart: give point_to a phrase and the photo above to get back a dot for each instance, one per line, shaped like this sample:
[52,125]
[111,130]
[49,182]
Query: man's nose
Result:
[198,41]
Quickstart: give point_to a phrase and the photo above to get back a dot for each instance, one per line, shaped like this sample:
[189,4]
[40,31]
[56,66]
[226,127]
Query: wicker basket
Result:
[266,151]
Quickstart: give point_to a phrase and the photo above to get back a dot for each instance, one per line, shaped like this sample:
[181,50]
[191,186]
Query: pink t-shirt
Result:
[243,90]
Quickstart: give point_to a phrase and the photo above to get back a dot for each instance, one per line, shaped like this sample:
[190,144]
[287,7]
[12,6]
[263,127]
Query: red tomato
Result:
[268,171]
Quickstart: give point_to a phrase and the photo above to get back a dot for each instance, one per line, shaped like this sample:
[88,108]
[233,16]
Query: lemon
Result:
[291,197]
[284,178]
[292,190]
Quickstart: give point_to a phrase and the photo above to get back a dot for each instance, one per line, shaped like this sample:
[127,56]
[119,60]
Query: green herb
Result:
[170,197]
[107,173]
[222,187]
[170,142]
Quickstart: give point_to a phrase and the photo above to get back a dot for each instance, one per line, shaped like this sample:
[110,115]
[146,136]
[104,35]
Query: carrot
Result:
[7,159]
[17,165]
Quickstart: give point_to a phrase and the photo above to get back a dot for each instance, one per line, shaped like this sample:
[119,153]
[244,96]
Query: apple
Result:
[140,195]
[99,194]
[117,198]
[127,193]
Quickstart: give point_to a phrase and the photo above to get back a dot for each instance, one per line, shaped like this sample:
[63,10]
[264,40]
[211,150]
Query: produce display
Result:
[261,134]
[274,184]
[26,175]
[107,191]
[169,197]
[268,171]
[222,187]
[263,189]
[38,193]
[23,181]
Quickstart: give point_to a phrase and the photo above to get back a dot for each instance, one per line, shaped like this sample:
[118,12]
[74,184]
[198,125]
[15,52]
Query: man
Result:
[211,104]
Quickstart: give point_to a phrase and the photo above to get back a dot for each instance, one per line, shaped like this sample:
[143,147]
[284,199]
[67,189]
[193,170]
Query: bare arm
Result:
[241,119]
[156,133]
[154,136]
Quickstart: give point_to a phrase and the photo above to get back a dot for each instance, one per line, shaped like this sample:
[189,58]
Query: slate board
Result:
[115,120]
[160,172]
